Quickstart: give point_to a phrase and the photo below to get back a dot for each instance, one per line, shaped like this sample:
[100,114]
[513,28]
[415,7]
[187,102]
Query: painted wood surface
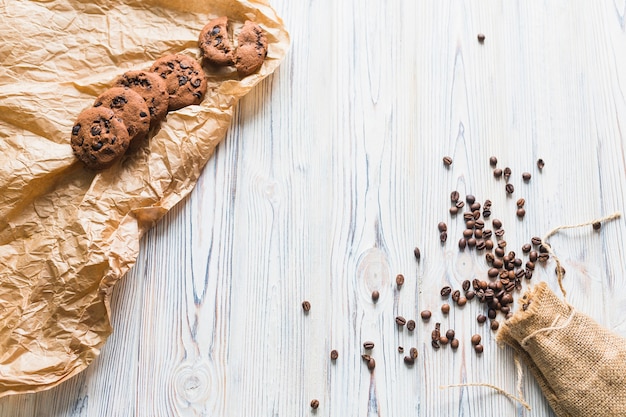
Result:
[331,174]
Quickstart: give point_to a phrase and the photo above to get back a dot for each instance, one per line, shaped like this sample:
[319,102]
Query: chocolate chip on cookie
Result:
[251,49]
[99,137]
[151,88]
[215,43]
[184,78]
[128,106]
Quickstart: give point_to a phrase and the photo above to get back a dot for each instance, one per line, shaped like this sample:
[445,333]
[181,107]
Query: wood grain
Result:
[331,174]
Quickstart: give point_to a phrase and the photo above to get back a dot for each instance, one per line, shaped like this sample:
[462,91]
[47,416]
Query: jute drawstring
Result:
[560,274]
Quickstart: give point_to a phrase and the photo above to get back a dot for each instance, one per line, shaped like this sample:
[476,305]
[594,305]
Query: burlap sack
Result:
[580,365]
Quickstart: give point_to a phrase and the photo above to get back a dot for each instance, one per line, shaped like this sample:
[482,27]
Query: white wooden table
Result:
[331,174]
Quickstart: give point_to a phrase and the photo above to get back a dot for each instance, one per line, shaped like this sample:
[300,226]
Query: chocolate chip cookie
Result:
[251,49]
[128,106]
[151,88]
[214,42]
[184,78]
[99,137]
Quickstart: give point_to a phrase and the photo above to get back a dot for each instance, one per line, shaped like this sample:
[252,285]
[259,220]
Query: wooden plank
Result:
[331,174]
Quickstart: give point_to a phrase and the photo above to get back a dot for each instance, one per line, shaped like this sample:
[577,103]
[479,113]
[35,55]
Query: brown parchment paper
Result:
[67,234]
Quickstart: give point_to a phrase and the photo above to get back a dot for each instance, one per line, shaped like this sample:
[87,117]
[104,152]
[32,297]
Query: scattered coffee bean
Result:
[410,325]
[493,272]
[479,224]
[462,243]
[497,172]
[476,339]
[400,349]
[445,291]
[526,247]
[489,257]
[470,199]
[491,313]
[536,241]
[526,176]
[481,244]
[478,348]
[596,225]
[543,258]
[540,164]
[530,265]
[371,364]
[481,38]
[365,357]
[417,253]
[334,354]
[399,280]
[494,325]
[559,269]
[510,189]
[475,206]
[493,161]
[532,256]
[471,242]
[375,295]
[497,263]
[470,223]
[447,161]
[470,295]
[409,360]
[445,308]
[476,214]
[528,274]
[368,345]
[413,353]
[468,216]
[496,223]
[454,344]
[450,334]
[521,212]
[507,173]
[400,321]
[460,204]
[442,227]
[306,306]
[455,295]
[481,318]
[466,285]
[443,236]
[486,213]
[461,301]
[454,196]
[453,210]
[315,404]
[443,340]
[501,243]
[520,202]
[426,314]
[435,344]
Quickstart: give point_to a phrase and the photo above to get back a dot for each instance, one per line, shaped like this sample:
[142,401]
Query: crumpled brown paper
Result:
[67,234]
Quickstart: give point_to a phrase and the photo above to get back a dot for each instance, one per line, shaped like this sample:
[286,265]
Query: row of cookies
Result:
[140,100]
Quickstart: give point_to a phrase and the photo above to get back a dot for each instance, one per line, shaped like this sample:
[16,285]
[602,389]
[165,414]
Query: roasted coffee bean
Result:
[454,344]
[559,269]
[466,285]
[447,161]
[399,280]
[493,161]
[306,306]
[497,263]
[461,301]
[487,233]
[368,345]
[470,199]
[450,334]
[510,189]
[470,223]
[486,213]
[491,313]
[526,248]
[507,172]
[494,325]
[455,295]
[526,176]
[445,291]
[517,262]
[409,360]
[460,204]
[506,298]
[521,212]
[462,243]
[501,243]
[540,164]
[536,241]
[426,314]
[467,233]
[481,38]
[497,172]
[315,404]
[488,244]
[530,265]
[476,284]
[334,354]
[454,196]
[365,357]
[435,344]
[476,214]
[445,308]
[476,339]
[479,224]
[543,249]
[532,256]
[481,318]
[505,309]
[375,295]
[496,223]
[487,204]
[528,274]
[520,202]
[417,253]
[519,274]
[543,257]
[442,227]
[596,225]
[471,242]
[400,349]
[400,321]
[468,216]
[470,295]
[453,210]
[410,325]
[443,236]
[371,364]
[489,257]
[480,244]
[478,348]
[493,272]
[475,206]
